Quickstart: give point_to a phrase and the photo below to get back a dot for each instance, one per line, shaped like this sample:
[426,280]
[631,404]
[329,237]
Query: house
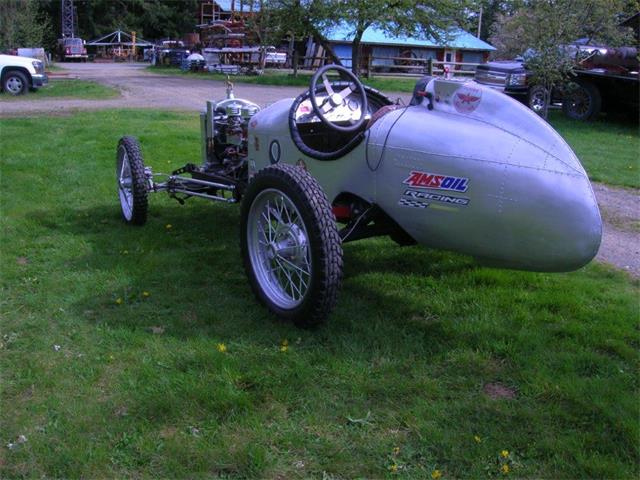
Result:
[457,46]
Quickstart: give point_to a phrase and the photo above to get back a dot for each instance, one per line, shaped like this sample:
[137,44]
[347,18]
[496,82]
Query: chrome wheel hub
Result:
[14,85]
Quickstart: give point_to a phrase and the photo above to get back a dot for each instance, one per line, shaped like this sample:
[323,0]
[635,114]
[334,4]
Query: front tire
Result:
[15,83]
[290,245]
[132,181]
[537,99]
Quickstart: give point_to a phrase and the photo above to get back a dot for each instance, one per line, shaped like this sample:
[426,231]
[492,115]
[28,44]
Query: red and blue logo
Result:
[437,182]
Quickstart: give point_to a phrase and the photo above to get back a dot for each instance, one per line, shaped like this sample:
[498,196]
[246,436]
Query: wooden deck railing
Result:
[393,66]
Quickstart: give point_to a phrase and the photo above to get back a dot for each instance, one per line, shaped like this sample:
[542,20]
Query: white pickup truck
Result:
[273,57]
[18,75]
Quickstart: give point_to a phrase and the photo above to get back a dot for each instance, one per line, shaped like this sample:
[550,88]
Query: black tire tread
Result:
[315,205]
[25,81]
[140,193]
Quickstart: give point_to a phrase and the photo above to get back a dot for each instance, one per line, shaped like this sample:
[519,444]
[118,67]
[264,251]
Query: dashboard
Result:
[350,111]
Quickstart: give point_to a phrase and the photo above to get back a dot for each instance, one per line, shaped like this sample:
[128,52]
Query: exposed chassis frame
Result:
[201,184]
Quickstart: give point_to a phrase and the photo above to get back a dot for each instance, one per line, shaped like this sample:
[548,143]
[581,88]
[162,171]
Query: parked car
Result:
[605,79]
[72,49]
[21,74]
[512,78]
[342,162]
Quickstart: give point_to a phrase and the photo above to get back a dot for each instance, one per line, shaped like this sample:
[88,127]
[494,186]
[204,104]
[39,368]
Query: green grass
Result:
[139,389]
[283,78]
[609,148]
[67,88]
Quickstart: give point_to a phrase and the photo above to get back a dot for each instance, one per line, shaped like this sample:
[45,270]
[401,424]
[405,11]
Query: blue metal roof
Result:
[457,38]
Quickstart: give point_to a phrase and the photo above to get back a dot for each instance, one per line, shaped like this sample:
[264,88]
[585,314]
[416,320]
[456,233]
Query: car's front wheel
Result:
[15,83]
[290,245]
[132,181]
[537,99]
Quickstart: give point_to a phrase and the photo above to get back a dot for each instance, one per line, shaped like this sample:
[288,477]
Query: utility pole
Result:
[479,21]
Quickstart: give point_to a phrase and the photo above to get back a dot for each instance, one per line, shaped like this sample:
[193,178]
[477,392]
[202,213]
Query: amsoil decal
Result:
[436,182]
[467,99]
[437,197]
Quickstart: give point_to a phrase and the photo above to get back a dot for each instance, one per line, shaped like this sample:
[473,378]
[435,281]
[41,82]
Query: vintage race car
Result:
[461,168]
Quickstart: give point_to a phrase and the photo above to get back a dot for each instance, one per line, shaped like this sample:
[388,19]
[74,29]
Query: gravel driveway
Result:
[141,88]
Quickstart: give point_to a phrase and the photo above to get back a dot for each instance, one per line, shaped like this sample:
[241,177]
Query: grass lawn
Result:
[67,88]
[609,148]
[283,78]
[105,380]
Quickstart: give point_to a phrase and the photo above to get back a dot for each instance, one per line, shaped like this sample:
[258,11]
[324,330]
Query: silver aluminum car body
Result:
[523,200]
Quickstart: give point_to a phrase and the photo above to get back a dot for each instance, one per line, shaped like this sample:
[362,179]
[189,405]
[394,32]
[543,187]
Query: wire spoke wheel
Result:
[125,185]
[131,180]
[279,248]
[582,101]
[290,245]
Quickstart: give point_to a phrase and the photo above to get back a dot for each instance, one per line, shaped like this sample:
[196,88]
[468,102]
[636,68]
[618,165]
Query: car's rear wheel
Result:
[132,181]
[15,83]
[290,245]
[582,101]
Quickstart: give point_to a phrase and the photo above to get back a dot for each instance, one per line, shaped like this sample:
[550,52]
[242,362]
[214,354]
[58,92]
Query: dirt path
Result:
[620,210]
[141,88]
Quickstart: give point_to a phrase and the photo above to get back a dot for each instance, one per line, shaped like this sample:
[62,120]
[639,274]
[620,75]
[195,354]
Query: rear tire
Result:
[582,101]
[15,83]
[291,248]
[132,181]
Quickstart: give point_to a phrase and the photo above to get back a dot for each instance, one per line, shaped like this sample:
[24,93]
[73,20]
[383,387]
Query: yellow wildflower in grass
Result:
[436,474]
[145,294]
[221,347]
[168,226]
[284,348]
[393,468]
[285,343]
[505,469]
[504,453]
[477,438]
[119,301]
[396,451]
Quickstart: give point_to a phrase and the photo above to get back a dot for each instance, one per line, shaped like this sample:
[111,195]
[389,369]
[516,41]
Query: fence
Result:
[392,66]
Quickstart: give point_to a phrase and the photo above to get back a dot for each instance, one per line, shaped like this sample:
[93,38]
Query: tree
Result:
[491,10]
[302,18]
[22,24]
[543,31]
[401,17]
[426,18]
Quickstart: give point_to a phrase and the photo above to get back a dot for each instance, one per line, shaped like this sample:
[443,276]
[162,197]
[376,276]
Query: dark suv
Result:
[606,79]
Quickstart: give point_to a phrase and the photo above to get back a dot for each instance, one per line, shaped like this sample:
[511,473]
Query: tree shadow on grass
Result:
[188,259]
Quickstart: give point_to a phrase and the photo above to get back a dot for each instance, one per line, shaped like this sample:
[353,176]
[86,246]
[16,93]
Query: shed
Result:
[456,46]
